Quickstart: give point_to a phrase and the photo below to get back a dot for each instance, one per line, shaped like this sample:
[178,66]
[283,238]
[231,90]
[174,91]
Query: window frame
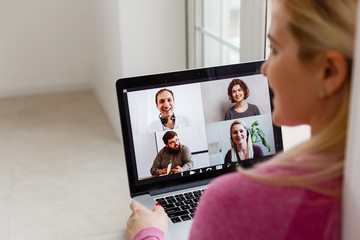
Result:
[252,47]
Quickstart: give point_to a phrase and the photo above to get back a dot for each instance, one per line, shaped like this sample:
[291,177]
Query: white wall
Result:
[45,45]
[108,57]
[136,37]
[61,45]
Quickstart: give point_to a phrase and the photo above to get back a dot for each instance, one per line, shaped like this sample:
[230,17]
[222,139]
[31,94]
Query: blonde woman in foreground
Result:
[297,194]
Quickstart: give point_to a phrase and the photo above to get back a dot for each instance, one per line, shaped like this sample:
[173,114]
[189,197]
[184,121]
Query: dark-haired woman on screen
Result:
[238,92]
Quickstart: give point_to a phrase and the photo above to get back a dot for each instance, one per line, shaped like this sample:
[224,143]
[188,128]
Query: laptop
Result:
[200,96]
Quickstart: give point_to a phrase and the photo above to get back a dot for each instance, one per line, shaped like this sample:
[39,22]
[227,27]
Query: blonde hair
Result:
[318,26]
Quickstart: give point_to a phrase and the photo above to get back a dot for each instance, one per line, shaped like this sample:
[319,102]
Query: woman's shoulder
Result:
[252,187]
[238,201]
[256,147]
[252,105]
[253,108]
[230,110]
[249,194]
[230,113]
[235,185]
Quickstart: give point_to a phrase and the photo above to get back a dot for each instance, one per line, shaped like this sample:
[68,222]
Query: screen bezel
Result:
[124,85]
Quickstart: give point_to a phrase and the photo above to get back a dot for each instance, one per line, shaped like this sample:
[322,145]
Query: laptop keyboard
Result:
[180,207]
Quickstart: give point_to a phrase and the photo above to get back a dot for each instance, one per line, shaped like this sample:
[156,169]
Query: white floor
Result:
[62,170]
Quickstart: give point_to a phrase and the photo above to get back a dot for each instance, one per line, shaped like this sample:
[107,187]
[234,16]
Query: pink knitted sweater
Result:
[235,207]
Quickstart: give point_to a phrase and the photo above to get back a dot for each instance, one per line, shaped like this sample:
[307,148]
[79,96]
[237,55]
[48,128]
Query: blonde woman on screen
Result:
[242,151]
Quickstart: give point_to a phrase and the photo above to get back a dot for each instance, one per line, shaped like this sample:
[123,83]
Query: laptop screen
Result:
[195,124]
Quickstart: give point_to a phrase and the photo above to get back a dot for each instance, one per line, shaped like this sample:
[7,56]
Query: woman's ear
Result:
[335,72]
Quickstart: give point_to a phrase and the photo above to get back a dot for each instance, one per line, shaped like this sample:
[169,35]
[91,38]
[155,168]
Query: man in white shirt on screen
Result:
[165,102]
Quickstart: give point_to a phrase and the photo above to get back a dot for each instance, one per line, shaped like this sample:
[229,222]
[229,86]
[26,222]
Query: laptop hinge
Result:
[179,187]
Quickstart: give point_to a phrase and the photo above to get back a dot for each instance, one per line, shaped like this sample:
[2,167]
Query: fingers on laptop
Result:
[158,208]
[136,207]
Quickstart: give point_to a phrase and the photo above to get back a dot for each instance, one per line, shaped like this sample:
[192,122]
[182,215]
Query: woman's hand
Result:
[143,218]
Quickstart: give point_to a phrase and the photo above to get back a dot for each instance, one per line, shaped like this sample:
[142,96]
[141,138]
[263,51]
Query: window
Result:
[226,31]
